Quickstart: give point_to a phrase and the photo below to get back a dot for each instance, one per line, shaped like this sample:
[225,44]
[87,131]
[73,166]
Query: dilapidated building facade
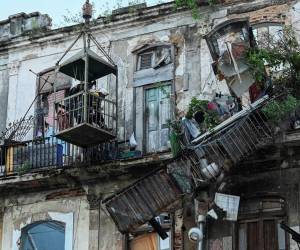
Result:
[68,189]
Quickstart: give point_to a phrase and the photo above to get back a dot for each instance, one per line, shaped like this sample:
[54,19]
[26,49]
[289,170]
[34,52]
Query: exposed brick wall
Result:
[275,13]
[270,14]
[178,234]
[65,194]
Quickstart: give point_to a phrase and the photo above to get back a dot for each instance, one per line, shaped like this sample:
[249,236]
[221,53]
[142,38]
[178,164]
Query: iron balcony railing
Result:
[230,142]
[41,154]
[88,108]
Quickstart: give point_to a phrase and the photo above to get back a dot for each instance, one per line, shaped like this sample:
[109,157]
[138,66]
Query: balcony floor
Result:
[85,135]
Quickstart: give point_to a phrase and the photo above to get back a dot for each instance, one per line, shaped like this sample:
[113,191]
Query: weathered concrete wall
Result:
[285,182]
[73,211]
[21,23]
[193,74]
[88,224]
[3,90]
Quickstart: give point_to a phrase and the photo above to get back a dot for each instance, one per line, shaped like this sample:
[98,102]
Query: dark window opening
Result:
[145,61]
[155,58]
[267,33]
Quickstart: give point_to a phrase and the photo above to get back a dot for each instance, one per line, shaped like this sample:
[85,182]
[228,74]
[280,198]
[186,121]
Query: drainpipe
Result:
[201,221]
[196,234]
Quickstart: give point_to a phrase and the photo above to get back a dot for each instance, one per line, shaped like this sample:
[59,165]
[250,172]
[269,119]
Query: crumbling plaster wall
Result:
[40,52]
[21,23]
[191,56]
[73,211]
[86,226]
[3,89]
[193,72]
[285,182]
[78,204]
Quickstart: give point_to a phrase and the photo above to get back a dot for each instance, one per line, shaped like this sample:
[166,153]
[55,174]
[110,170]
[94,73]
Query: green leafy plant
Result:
[279,57]
[175,133]
[211,117]
[258,58]
[195,106]
[275,110]
[175,125]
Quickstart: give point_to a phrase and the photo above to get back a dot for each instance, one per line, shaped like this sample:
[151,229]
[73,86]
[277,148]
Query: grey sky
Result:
[58,8]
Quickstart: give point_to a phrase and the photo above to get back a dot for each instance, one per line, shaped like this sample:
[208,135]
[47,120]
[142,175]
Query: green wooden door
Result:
[158,113]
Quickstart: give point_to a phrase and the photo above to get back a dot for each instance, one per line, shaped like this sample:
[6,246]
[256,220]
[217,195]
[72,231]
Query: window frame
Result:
[261,215]
[66,217]
[26,234]
[153,50]
[267,25]
[260,220]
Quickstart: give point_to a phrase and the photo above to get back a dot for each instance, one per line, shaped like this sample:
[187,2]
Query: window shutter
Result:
[152,119]
[146,61]
[158,112]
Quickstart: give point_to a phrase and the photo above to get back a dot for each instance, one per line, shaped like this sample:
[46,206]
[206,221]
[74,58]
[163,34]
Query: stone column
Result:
[94,226]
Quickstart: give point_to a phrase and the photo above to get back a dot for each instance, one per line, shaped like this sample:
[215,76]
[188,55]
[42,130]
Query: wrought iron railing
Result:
[230,144]
[88,108]
[47,153]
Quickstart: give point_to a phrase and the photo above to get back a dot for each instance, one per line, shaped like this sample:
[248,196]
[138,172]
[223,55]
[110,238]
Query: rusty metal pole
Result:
[87,11]
[86,73]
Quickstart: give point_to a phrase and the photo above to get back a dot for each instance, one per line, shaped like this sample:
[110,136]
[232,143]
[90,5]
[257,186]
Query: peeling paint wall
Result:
[74,212]
[88,224]
[193,74]
[4,78]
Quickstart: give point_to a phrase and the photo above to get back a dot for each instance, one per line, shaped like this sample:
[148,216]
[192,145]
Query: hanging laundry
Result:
[58,96]
[132,142]
[192,127]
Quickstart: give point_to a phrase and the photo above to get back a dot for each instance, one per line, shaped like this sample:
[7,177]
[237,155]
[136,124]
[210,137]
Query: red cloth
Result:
[254,92]
[212,106]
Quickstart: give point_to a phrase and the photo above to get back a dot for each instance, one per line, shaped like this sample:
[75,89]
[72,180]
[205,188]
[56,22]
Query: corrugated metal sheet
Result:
[142,201]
